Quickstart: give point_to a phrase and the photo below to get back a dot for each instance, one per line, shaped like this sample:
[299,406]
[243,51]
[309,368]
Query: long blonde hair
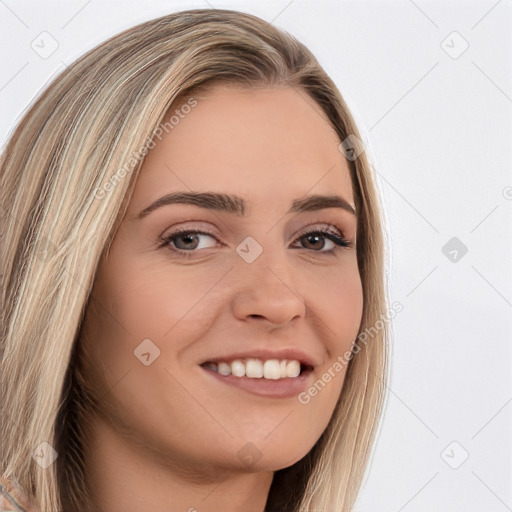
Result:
[81,131]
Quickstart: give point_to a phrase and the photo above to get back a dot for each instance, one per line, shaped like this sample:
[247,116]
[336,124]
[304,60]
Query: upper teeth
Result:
[256,369]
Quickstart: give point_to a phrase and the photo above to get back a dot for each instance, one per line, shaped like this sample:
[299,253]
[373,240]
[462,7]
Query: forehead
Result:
[261,143]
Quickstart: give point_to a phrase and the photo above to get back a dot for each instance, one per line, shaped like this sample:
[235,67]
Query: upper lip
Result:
[266,354]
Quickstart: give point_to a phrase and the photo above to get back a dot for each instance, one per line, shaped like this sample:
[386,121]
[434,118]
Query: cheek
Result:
[143,302]
[136,302]
[340,304]
[156,299]
[350,307]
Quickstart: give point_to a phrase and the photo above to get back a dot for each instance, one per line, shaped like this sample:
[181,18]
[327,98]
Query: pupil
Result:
[188,239]
[315,238]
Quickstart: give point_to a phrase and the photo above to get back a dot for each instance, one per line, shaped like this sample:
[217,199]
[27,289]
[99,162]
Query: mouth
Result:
[282,373]
[258,368]
[265,376]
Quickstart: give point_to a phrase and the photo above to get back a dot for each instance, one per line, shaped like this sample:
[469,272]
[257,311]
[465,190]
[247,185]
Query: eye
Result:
[187,241]
[319,239]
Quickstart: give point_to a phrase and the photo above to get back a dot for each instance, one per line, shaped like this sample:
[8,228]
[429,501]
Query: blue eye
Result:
[186,242]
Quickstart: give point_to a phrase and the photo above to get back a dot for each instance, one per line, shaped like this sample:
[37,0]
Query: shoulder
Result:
[13,498]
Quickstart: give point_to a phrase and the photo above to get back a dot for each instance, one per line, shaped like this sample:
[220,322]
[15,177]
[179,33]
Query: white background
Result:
[438,128]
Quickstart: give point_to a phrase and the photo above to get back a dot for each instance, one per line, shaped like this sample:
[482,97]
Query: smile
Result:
[253,368]
[273,378]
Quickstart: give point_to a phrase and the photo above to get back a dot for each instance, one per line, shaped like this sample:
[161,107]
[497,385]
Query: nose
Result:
[266,292]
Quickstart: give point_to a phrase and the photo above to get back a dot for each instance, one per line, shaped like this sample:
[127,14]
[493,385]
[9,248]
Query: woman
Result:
[193,249]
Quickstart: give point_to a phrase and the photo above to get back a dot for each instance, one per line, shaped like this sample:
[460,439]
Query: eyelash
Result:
[332,234]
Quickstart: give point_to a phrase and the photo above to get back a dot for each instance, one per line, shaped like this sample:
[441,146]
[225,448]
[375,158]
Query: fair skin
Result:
[172,437]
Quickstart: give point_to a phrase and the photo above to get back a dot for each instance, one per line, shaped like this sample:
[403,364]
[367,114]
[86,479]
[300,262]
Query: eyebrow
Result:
[237,206]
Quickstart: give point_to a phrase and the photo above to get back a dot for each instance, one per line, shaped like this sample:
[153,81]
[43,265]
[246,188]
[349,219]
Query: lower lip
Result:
[278,388]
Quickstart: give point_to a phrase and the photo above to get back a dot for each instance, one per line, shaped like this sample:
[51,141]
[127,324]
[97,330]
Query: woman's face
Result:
[243,281]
